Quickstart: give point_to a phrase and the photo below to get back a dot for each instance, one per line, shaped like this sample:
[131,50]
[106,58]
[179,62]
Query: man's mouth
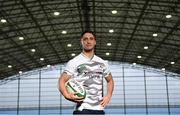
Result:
[88,45]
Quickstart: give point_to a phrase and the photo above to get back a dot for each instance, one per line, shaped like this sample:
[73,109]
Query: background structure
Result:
[140,38]
[139,90]
[36,33]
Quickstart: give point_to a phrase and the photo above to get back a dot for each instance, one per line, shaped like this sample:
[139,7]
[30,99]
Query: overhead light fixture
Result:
[73,54]
[107,53]
[9,66]
[168,16]
[21,38]
[33,50]
[155,34]
[42,59]
[56,13]
[69,45]
[109,44]
[114,11]
[20,72]
[146,47]
[48,66]
[139,57]
[3,20]
[172,62]
[64,32]
[111,31]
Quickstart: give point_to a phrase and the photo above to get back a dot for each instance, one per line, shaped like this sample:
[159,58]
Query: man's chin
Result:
[88,50]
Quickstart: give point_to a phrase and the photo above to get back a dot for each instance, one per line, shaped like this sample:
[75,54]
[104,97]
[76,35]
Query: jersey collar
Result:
[90,59]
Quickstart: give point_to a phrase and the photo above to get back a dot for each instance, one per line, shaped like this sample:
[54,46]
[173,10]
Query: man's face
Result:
[88,42]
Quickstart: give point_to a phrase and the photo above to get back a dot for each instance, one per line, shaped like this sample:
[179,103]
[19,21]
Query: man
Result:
[89,70]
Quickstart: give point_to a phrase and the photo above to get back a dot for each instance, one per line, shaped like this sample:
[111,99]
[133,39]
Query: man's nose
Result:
[88,40]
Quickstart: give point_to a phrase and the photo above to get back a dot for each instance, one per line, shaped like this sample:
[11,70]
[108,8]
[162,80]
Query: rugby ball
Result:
[74,86]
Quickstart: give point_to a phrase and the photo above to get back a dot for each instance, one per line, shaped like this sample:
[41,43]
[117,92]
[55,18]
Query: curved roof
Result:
[136,31]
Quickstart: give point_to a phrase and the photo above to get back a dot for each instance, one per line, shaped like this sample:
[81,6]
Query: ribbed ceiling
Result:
[127,26]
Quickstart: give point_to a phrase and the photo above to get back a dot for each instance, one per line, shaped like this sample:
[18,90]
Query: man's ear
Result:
[81,42]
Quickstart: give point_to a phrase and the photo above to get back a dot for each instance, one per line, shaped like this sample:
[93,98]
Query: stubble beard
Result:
[88,50]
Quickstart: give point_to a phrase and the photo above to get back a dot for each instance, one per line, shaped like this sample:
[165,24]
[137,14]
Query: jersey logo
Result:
[94,69]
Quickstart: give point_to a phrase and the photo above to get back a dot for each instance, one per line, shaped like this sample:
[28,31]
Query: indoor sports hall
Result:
[140,39]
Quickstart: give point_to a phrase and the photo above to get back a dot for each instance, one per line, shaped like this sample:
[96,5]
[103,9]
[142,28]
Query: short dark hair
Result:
[88,32]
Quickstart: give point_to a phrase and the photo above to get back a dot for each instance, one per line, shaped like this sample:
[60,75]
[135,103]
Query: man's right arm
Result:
[62,80]
[62,88]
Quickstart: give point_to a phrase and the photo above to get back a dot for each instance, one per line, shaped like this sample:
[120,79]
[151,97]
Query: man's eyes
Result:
[91,38]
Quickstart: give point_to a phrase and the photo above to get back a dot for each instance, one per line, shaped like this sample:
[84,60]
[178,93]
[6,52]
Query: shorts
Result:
[89,112]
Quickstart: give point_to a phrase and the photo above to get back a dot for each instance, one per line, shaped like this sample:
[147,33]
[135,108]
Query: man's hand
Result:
[110,86]
[73,97]
[105,100]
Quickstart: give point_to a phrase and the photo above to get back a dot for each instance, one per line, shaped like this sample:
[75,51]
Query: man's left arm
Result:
[110,87]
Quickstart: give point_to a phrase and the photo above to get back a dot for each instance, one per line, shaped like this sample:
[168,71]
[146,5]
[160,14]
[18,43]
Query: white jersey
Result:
[89,72]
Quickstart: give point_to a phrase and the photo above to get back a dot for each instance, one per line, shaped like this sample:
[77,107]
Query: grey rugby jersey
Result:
[89,72]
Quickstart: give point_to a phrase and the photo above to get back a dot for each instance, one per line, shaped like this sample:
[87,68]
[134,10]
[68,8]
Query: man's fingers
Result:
[73,97]
[76,97]
[104,102]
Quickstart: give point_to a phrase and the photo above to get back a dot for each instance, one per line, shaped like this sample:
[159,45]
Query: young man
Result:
[88,69]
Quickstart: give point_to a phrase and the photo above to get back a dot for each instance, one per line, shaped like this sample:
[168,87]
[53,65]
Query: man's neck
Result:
[89,54]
